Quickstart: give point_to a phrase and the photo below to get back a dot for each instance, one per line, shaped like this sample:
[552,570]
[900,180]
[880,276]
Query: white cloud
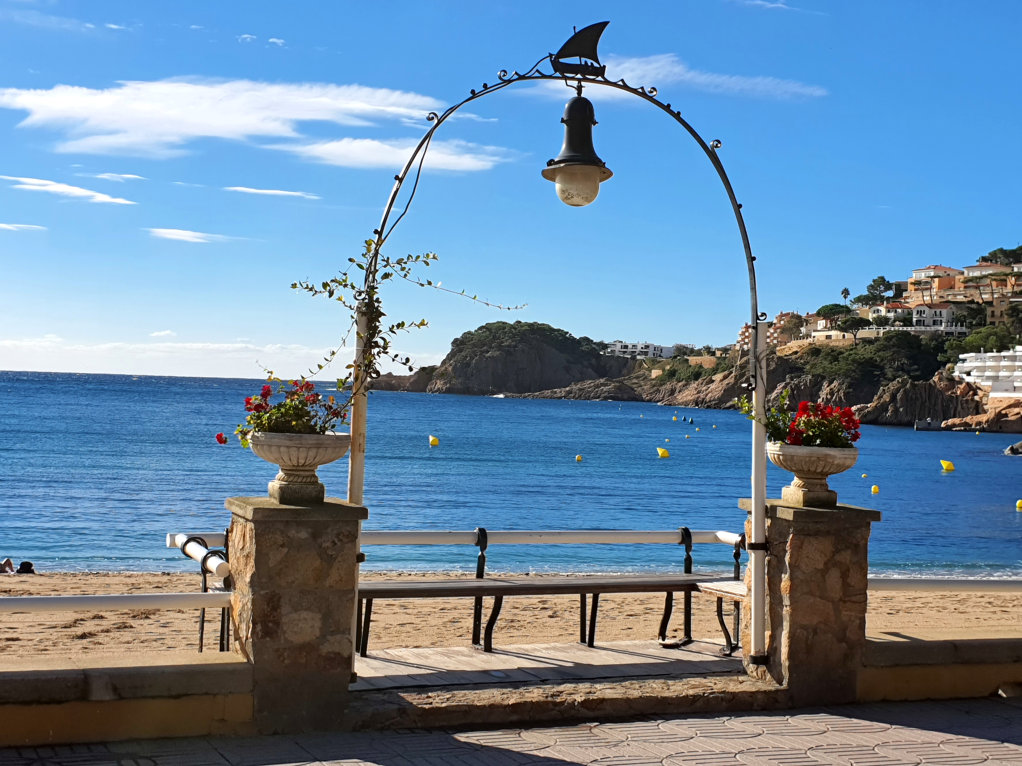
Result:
[246,38]
[372,153]
[667,69]
[33,18]
[114,26]
[196,26]
[272,192]
[21,227]
[65,190]
[276,41]
[163,334]
[157,118]
[117,176]
[212,359]
[184,235]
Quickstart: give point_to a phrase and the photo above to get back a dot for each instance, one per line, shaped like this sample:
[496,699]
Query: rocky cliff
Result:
[416,382]
[601,389]
[903,401]
[523,357]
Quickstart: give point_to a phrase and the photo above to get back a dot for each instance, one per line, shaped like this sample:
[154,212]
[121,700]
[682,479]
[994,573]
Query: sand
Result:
[892,615]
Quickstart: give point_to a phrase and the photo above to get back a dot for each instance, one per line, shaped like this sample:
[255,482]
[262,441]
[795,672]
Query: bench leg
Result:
[666,619]
[202,627]
[491,623]
[477,619]
[592,620]
[582,618]
[225,630]
[688,618]
[738,621]
[358,624]
[729,647]
[363,645]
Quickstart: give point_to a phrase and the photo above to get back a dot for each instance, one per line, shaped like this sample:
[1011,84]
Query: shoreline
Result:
[893,615]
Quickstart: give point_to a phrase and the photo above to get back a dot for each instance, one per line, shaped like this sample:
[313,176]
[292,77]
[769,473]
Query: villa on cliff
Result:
[1000,372]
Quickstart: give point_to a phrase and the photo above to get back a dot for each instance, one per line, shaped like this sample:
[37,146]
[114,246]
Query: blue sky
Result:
[168,169]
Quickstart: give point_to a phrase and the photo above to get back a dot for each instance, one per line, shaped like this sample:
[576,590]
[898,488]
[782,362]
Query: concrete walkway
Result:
[984,731]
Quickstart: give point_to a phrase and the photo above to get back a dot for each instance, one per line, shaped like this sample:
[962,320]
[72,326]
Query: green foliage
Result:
[301,411]
[972,315]
[831,310]
[1002,256]
[878,289]
[496,336]
[893,355]
[812,425]
[990,338]
[853,325]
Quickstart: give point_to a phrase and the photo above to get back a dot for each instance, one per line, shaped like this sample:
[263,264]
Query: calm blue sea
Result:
[96,469]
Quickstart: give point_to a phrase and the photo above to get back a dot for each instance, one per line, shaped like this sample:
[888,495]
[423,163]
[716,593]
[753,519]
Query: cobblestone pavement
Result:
[987,731]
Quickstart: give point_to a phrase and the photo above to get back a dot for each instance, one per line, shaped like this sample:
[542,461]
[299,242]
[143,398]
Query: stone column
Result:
[295,572]
[817,564]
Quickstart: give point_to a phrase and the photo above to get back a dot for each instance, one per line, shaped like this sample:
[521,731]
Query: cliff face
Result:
[519,358]
[416,382]
[1001,416]
[602,389]
[902,402]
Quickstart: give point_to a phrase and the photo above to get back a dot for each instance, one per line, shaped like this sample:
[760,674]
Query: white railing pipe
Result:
[542,536]
[36,604]
[213,539]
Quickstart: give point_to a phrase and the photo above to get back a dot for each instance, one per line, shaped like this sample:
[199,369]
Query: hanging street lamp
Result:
[577,170]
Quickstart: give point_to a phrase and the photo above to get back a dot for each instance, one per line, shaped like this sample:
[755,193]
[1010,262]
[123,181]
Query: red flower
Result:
[267,392]
[221,439]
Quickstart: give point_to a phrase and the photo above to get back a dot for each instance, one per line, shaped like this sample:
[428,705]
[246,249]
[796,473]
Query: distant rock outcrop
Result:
[1001,416]
[416,382]
[903,401]
[1013,449]
[602,389]
[520,358]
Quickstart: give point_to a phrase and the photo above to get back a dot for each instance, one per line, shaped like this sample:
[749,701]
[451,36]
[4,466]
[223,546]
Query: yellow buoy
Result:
[697,429]
[875,489]
[640,416]
[686,436]
[666,440]
[1018,505]
[977,433]
[433,441]
[947,465]
[675,418]
[662,452]
[578,458]
[715,426]
[865,475]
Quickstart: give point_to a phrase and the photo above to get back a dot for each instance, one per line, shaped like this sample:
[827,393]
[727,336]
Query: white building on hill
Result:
[1000,372]
[639,350]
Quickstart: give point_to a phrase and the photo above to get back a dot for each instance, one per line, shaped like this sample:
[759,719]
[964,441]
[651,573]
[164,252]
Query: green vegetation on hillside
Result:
[890,356]
[496,336]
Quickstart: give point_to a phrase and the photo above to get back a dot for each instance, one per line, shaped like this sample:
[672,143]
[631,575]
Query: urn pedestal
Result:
[811,466]
[298,456]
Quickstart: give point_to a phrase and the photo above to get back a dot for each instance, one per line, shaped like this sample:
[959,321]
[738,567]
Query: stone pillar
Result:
[295,572]
[817,564]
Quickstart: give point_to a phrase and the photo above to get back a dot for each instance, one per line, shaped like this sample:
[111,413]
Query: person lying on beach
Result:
[6,566]
[25,567]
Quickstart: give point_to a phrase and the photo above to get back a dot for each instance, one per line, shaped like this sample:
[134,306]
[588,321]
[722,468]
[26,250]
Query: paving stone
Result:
[992,750]
[929,753]
[507,739]
[641,731]
[858,755]
[701,759]
[779,756]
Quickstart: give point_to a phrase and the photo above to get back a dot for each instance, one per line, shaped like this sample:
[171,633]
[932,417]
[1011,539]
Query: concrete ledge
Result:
[168,674]
[102,698]
[89,721]
[972,651]
[507,705]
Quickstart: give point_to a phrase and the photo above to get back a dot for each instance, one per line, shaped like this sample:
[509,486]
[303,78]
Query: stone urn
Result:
[298,456]
[811,466]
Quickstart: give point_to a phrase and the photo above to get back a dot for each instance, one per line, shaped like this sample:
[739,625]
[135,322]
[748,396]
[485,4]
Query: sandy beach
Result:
[892,615]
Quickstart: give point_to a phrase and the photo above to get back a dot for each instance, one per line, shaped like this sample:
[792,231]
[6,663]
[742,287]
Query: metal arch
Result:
[534,74]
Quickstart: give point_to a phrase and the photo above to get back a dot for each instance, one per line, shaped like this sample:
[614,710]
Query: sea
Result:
[95,470]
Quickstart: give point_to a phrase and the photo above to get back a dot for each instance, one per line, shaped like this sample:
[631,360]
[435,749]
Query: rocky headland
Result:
[537,361]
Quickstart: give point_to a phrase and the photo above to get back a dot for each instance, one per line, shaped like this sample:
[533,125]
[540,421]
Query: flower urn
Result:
[298,456]
[811,466]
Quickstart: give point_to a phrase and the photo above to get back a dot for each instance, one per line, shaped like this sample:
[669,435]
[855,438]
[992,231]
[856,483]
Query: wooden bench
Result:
[585,586]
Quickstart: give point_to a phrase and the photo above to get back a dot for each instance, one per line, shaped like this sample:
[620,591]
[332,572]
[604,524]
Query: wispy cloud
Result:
[668,69]
[247,38]
[272,192]
[163,334]
[372,153]
[114,26]
[64,190]
[276,41]
[158,118]
[32,18]
[21,227]
[775,5]
[120,177]
[184,235]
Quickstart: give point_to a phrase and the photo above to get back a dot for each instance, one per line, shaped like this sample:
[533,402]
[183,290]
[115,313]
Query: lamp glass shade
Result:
[577,185]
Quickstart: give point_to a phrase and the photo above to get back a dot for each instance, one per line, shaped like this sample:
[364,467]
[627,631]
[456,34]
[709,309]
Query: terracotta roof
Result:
[937,266]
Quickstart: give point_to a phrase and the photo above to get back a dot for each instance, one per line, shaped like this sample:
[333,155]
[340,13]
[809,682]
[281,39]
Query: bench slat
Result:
[532,586]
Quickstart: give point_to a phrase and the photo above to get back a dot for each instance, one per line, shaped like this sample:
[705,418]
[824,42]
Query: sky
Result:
[168,170]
